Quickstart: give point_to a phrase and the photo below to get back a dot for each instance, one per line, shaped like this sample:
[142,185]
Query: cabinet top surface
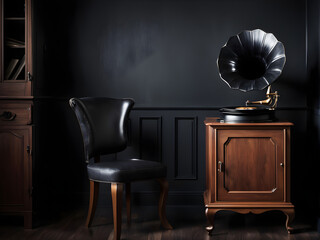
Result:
[215,121]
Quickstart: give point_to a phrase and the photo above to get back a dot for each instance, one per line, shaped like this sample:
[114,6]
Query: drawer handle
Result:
[7,116]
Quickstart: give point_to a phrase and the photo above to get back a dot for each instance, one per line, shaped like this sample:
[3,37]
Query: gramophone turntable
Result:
[252,60]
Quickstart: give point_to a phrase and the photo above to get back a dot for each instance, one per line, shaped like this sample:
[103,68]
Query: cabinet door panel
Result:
[16,50]
[250,165]
[15,167]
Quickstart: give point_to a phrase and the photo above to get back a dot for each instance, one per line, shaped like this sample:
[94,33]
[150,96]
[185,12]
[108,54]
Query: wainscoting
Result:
[173,136]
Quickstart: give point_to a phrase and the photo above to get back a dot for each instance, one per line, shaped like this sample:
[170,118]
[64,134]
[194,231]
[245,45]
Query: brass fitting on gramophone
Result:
[271,100]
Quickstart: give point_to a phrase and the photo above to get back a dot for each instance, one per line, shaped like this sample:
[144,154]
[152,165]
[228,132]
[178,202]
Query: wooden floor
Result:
[188,223]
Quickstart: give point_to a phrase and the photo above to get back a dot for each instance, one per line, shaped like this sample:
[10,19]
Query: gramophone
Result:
[252,60]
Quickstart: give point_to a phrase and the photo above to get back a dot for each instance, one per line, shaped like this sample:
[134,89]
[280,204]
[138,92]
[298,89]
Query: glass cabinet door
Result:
[16,48]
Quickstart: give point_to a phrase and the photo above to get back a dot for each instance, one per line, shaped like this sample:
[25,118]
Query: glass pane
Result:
[14,40]
[14,8]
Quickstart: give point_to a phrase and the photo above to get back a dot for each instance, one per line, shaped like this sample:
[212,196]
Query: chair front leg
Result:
[116,193]
[128,202]
[94,193]
[162,203]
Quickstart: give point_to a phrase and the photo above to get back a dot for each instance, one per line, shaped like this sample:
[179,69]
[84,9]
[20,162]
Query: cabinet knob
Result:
[220,166]
[281,164]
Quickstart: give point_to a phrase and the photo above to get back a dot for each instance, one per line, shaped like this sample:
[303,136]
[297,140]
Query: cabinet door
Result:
[250,165]
[15,170]
[16,52]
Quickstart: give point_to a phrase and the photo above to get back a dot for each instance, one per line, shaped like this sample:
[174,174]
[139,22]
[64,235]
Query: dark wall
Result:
[314,94]
[163,54]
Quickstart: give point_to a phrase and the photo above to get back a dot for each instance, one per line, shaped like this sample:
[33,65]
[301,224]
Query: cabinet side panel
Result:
[287,155]
[210,163]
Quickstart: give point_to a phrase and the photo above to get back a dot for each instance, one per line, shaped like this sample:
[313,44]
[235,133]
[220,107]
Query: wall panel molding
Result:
[150,138]
[186,148]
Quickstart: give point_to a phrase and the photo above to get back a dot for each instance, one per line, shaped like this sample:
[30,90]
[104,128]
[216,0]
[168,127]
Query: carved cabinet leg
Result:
[290,216]
[162,203]
[94,192]
[210,216]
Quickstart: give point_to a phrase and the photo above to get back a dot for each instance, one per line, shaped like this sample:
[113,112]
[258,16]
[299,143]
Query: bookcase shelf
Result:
[15,47]
[15,19]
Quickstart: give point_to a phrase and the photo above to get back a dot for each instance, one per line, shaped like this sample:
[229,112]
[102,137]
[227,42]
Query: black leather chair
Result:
[103,123]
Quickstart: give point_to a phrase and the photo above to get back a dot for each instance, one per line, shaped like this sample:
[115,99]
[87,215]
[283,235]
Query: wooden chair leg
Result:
[162,203]
[94,192]
[116,193]
[128,202]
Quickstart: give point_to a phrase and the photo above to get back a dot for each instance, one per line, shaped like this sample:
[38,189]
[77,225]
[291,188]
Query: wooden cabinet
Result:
[16,103]
[247,168]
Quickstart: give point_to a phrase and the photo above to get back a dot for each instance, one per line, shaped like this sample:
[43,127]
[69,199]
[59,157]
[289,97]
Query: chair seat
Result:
[125,170]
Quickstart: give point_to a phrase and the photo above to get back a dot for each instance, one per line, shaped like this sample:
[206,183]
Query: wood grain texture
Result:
[15,97]
[248,169]
[94,193]
[22,110]
[116,193]
[238,149]
[251,165]
[16,176]
[290,216]
[189,224]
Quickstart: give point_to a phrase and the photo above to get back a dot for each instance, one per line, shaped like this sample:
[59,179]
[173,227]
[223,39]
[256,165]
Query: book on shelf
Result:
[18,70]
[12,64]
[11,42]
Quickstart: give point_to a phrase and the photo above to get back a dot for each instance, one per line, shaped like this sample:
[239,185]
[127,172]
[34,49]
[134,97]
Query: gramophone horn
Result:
[251,60]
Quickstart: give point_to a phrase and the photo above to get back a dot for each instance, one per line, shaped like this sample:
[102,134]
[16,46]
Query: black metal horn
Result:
[251,60]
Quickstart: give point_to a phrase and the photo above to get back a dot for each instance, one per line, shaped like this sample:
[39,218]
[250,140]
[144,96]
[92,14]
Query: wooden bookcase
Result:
[16,103]
[247,168]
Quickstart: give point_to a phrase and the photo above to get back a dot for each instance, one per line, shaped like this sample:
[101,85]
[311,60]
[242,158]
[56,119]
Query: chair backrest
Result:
[103,124]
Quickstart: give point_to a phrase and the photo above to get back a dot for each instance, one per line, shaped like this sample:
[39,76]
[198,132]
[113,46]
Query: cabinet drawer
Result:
[15,113]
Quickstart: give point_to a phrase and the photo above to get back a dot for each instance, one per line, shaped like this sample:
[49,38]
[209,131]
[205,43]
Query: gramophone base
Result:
[245,115]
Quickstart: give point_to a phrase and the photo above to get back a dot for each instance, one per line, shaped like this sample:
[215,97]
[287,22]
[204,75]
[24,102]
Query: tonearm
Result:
[271,100]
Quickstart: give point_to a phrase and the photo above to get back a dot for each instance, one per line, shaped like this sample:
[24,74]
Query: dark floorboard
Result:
[188,223]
